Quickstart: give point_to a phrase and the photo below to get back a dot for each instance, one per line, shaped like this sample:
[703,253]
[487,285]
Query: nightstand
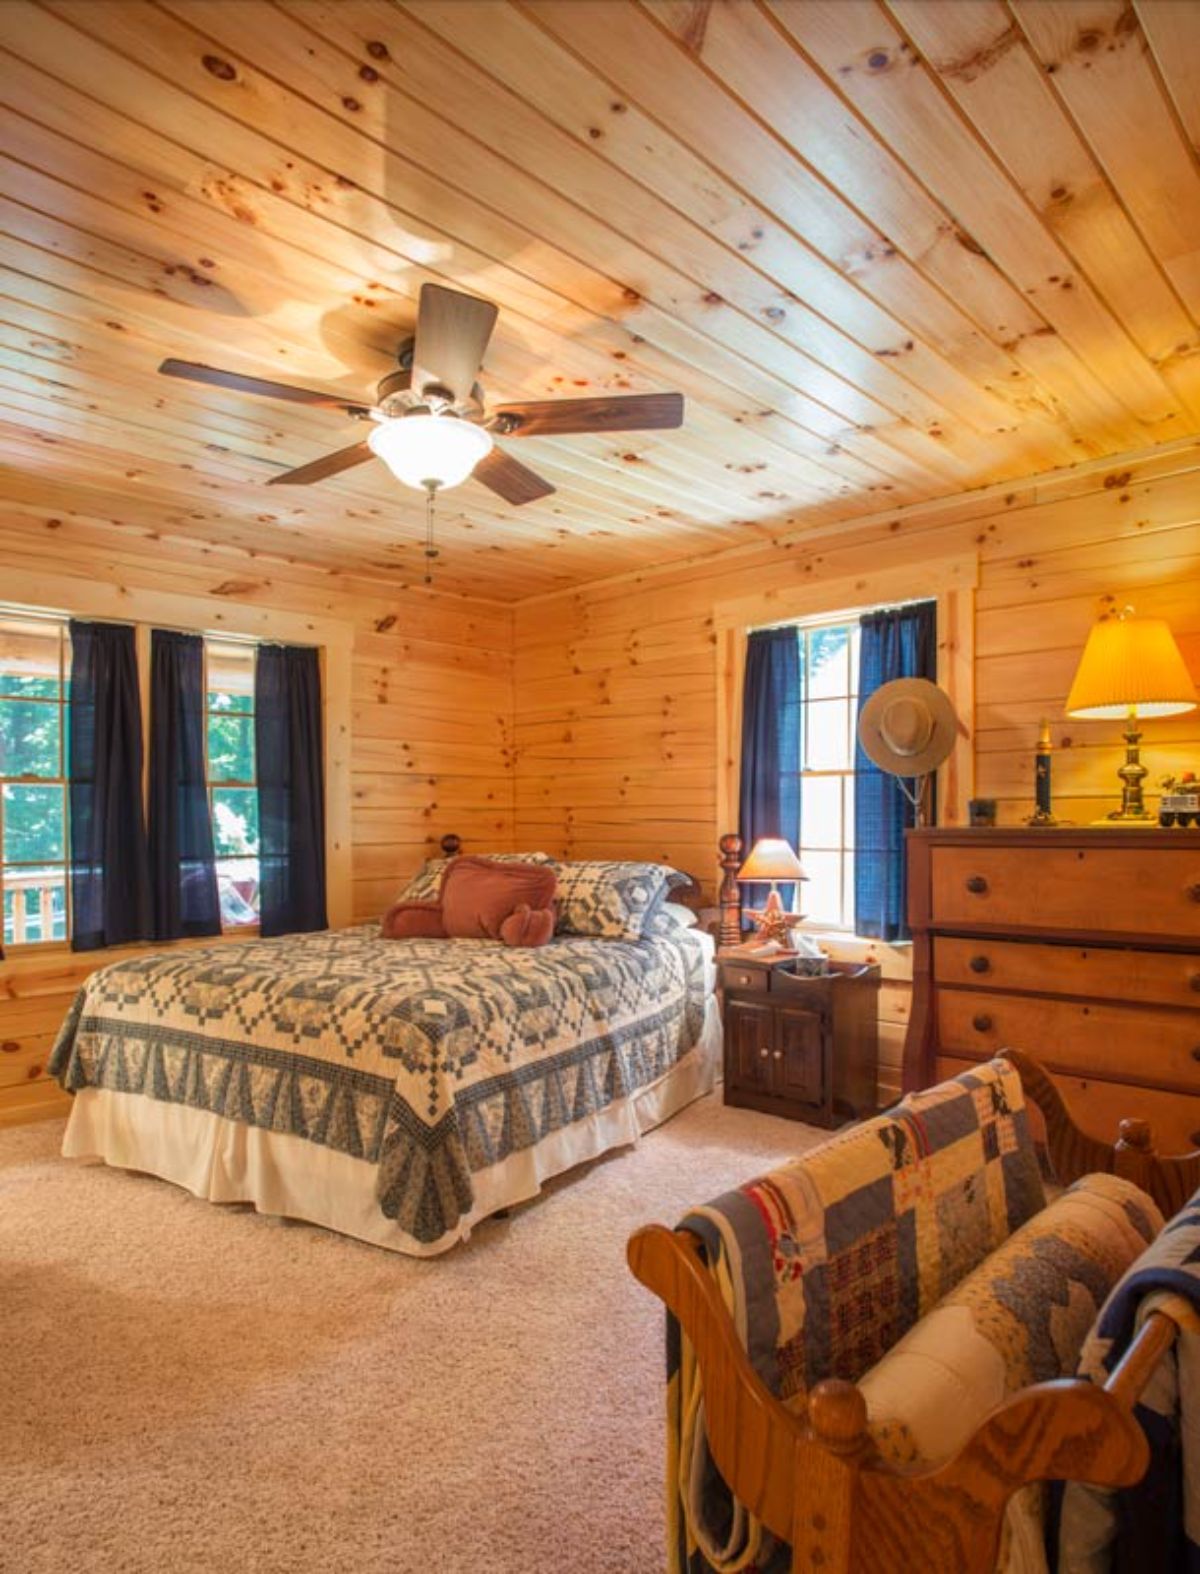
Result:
[800,1046]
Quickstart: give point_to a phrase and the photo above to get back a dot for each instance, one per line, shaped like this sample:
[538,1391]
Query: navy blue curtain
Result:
[291,789]
[183,875]
[110,885]
[899,642]
[770,781]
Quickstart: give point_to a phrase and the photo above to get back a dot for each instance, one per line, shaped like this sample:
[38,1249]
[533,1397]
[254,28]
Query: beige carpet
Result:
[186,1387]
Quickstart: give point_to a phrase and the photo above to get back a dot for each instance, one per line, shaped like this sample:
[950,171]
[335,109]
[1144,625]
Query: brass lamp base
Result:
[1133,773]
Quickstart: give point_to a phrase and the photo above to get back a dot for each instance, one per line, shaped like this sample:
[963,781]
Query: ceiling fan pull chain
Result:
[430,549]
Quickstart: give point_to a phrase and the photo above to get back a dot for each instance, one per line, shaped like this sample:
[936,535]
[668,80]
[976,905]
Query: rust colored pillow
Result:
[478,895]
[413,921]
[528,926]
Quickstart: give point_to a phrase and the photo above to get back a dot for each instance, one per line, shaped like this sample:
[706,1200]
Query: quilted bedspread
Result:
[429,1059]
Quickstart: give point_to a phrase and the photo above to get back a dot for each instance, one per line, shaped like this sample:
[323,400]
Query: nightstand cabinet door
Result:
[750,1040]
[798,1055]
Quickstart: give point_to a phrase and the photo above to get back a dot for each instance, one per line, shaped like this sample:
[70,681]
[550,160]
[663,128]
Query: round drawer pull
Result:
[778,1054]
[764,1052]
[977,885]
[1194,983]
[1194,891]
[1196,1052]
[981,1022]
[1194,1139]
[979,964]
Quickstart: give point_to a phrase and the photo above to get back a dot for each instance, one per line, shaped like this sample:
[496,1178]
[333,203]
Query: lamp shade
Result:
[771,858]
[429,450]
[1131,663]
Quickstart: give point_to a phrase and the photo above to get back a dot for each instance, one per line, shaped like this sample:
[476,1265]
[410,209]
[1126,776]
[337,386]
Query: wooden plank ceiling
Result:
[887,251]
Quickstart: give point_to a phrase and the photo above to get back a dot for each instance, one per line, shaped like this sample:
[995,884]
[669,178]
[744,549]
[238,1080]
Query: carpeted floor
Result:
[190,1388]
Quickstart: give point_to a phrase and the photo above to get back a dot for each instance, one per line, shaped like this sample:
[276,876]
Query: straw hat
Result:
[908,727]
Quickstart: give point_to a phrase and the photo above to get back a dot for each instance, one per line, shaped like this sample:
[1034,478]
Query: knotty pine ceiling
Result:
[888,252]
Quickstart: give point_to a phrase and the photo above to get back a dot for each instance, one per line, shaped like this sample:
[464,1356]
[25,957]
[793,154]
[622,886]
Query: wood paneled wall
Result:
[616,684]
[426,715]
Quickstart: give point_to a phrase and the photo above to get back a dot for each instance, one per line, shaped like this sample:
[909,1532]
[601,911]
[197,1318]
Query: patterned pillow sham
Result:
[603,900]
[426,884]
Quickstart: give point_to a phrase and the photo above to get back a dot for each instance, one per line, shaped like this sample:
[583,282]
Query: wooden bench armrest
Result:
[816,1480]
[1170,1180]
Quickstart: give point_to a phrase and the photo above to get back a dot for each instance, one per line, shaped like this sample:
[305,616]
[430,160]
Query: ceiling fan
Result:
[430,426]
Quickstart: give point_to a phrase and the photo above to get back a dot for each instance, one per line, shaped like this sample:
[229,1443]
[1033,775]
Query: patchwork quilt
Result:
[429,1059]
[1154,1526]
[828,1261]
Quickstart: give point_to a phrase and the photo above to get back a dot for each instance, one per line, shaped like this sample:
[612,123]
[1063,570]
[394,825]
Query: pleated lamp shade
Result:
[1131,663]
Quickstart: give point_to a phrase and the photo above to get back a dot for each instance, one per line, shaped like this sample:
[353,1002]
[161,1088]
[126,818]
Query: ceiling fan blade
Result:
[559,417]
[453,330]
[262,386]
[510,479]
[329,464]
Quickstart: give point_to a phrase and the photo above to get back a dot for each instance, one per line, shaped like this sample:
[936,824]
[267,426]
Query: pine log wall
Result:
[616,688]
[429,722]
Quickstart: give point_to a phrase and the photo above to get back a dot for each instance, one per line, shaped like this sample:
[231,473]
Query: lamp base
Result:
[1117,821]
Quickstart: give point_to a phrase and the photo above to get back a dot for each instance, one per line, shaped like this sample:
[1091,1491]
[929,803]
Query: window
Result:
[33,797]
[828,721]
[232,778]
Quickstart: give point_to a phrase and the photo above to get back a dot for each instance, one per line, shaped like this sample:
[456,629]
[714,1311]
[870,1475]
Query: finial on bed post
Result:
[730,894]
[451,846]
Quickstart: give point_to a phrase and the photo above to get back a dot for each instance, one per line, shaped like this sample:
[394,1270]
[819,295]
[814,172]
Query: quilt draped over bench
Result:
[828,1262]
[429,1059]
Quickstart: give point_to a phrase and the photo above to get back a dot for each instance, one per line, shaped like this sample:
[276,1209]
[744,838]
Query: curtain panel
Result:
[183,874]
[291,789]
[769,799]
[110,884]
[897,642]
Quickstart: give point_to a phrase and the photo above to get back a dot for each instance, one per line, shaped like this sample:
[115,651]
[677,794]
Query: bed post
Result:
[730,894]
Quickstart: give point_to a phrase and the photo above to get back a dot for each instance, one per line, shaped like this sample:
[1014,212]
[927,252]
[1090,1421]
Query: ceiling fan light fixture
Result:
[429,451]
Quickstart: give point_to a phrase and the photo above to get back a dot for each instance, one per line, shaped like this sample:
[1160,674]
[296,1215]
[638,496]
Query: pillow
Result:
[604,900]
[427,882]
[528,926]
[413,921]
[672,916]
[478,894]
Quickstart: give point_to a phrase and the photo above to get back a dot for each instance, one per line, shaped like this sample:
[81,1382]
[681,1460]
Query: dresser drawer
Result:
[1164,978]
[1072,1035]
[1098,1107]
[1155,892]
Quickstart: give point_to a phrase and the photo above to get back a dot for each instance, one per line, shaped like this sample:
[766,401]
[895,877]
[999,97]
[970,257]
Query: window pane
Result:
[230,676]
[821,811]
[821,894]
[828,663]
[29,659]
[33,824]
[237,882]
[235,821]
[230,748]
[826,736]
[29,738]
[35,906]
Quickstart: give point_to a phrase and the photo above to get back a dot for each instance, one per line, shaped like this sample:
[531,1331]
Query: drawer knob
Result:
[1194,1139]
[778,1054]
[981,1022]
[1194,891]
[764,1052]
[1194,983]
[1196,1052]
[977,885]
[979,964]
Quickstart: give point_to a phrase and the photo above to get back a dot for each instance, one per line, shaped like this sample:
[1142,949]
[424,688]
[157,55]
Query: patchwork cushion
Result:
[608,900]
[426,884]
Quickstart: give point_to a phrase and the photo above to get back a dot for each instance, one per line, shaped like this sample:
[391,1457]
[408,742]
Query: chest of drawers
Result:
[1081,947]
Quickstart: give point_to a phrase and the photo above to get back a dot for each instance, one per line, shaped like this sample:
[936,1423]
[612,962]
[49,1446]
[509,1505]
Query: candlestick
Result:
[1042,814]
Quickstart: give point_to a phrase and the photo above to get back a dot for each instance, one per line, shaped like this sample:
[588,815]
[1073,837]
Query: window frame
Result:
[62,781]
[243,930]
[950,581]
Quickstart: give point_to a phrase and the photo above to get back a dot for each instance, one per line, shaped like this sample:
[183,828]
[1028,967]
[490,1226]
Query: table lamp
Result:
[1131,668]
[772,859]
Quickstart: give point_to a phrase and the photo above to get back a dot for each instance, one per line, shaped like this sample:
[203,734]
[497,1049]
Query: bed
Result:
[398,1091]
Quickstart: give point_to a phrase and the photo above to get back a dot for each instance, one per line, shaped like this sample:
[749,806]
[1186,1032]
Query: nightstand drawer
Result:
[1166,978]
[1071,1035]
[1120,890]
[743,975]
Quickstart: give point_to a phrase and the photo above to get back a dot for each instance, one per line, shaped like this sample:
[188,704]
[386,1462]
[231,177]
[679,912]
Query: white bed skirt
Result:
[224,1161]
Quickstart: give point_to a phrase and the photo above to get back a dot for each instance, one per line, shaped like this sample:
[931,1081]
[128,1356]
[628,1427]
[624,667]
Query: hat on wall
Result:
[908,727]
